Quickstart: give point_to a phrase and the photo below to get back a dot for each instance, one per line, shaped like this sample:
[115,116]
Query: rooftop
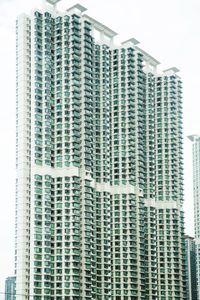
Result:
[53,2]
[101,27]
[148,57]
[193,137]
[77,7]
[173,69]
[132,41]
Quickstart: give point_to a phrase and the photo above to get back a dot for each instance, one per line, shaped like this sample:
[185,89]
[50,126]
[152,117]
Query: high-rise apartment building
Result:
[195,139]
[10,288]
[99,164]
[191,277]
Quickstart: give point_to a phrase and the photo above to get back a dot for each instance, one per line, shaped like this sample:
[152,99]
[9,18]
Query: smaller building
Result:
[191,268]
[10,288]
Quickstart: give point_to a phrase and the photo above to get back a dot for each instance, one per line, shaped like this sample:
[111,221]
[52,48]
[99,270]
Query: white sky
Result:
[168,30]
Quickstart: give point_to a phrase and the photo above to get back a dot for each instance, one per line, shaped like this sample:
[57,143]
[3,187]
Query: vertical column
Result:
[23,117]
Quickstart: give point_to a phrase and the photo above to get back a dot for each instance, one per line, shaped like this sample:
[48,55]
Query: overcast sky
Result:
[169,30]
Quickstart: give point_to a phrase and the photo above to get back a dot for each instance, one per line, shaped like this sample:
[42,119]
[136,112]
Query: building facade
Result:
[191,277]
[195,139]
[99,187]
[10,288]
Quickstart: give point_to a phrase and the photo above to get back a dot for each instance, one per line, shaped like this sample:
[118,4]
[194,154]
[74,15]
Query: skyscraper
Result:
[10,288]
[191,268]
[99,164]
[195,139]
